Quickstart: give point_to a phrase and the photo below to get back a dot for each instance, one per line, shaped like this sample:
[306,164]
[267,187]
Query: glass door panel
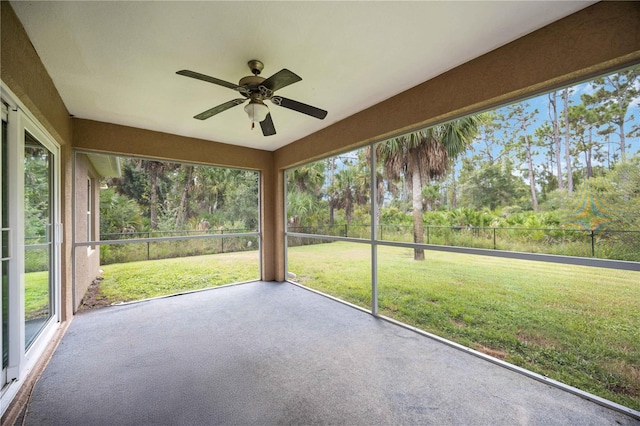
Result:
[38,238]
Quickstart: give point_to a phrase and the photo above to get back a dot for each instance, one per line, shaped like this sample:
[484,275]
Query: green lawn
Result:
[578,325]
[124,282]
[36,294]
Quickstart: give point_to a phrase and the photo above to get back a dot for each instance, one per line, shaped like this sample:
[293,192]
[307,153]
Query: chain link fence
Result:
[602,244]
[152,250]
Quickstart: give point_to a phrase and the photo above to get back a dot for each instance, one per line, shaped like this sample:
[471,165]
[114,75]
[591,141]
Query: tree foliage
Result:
[522,165]
[172,197]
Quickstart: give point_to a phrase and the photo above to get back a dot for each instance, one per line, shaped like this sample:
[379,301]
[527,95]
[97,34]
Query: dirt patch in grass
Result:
[496,353]
[93,298]
[458,323]
[541,341]
[629,375]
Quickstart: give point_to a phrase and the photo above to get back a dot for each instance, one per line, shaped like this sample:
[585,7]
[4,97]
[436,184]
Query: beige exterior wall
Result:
[87,258]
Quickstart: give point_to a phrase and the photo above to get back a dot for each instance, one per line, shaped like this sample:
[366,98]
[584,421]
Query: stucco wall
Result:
[87,258]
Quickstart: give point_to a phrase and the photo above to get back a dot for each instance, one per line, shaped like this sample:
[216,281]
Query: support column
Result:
[271,199]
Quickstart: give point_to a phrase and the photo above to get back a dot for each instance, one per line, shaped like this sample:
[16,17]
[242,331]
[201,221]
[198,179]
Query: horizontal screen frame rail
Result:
[540,257]
[161,239]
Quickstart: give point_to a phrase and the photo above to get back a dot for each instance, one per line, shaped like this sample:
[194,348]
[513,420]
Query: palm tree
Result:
[348,190]
[304,193]
[426,155]
[307,178]
[300,206]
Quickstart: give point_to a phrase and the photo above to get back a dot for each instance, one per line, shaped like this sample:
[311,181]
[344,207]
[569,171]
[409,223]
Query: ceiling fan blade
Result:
[218,109]
[207,78]
[267,126]
[300,107]
[281,79]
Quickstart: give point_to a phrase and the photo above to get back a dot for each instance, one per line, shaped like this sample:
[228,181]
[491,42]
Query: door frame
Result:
[4,257]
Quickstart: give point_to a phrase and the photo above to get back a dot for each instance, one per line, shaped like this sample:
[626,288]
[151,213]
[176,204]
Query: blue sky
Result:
[541,103]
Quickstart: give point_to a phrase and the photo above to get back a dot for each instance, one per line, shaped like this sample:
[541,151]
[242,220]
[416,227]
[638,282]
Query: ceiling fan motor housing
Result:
[251,87]
[251,80]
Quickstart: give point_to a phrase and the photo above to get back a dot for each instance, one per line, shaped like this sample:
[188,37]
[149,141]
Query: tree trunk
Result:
[418,226]
[567,141]
[427,205]
[588,155]
[380,197]
[618,90]
[452,190]
[153,197]
[331,173]
[348,204]
[587,160]
[182,209]
[556,139]
[532,181]
[623,143]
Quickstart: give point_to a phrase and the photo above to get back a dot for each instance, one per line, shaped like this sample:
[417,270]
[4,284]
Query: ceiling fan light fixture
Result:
[256,110]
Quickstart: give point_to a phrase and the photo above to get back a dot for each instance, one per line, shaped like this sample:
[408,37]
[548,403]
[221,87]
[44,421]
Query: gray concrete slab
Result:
[274,353]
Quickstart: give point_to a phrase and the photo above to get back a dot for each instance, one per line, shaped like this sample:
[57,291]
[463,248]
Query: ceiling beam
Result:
[110,138]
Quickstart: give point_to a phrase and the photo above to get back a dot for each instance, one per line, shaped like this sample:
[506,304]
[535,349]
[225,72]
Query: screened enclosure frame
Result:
[96,243]
[374,242]
[373,180]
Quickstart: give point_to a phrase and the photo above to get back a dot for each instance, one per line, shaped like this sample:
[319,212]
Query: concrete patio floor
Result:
[274,353]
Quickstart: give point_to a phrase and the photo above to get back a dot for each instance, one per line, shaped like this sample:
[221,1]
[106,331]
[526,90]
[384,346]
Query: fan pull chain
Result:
[253,125]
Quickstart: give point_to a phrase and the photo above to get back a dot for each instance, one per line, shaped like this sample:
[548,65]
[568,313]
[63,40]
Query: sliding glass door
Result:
[30,249]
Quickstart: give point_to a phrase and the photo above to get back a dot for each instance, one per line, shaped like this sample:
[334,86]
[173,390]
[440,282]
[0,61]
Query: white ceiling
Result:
[116,61]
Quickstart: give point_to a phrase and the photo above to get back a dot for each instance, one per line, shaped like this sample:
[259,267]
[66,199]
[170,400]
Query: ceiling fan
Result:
[256,90]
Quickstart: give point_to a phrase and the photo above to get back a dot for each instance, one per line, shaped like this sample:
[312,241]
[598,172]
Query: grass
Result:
[36,294]
[124,282]
[340,269]
[578,325]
